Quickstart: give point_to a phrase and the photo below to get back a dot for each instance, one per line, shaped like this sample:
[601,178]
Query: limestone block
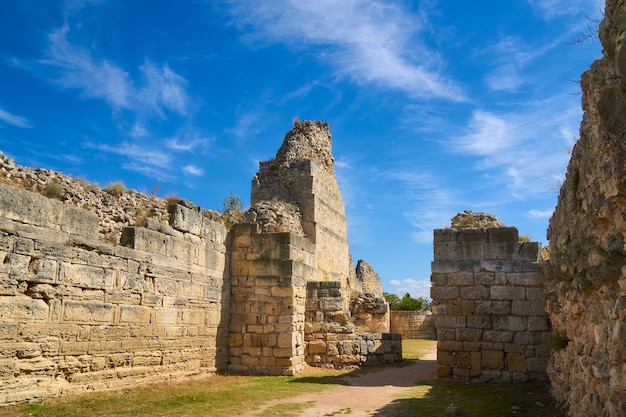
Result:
[492,360]
[85,276]
[135,314]
[151,300]
[28,207]
[492,265]
[525,279]
[186,219]
[469,334]
[444,236]
[528,308]
[513,323]
[165,315]
[444,292]
[22,309]
[143,239]
[442,322]
[475,292]
[535,294]
[500,292]
[181,250]
[501,251]
[122,297]
[470,252]
[529,251]
[516,362]
[87,312]
[77,221]
[479,322]
[498,336]
[503,235]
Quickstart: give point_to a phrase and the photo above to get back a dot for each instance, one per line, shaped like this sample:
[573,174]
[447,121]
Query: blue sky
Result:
[435,106]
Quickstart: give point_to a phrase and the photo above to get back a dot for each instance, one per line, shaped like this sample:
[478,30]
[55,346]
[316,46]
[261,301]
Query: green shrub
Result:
[53,190]
[232,204]
[115,188]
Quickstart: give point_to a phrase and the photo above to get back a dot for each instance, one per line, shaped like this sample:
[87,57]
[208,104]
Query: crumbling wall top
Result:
[308,140]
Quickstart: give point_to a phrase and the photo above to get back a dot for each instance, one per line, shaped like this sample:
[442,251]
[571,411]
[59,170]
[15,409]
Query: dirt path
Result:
[364,394]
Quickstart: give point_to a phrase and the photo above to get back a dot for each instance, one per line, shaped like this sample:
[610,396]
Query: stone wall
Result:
[269,274]
[303,173]
[489,305]
[80,314]
[586,273]
[413,324]
[332,337]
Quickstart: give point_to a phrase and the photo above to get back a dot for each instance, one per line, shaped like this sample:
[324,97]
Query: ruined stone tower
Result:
[303,172]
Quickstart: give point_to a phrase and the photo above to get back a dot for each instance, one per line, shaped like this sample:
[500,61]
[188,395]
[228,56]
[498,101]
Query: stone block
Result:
[461,307]
[513,323]
[516,362]
[444,236]
[500,292]
[528,308]
[503,235]
[501,251]
[444,267]
[28,207]
[470,252]
[443,322]
[450,345]
[525,279]
[479,322]
[529,251]
[85,276]
[535,294]
[484,278]
[77,221]
[472,236]
[135,314]
[469,334]
[444,292]
[87,312]
[498,336]
[475,292]
[143,239]
[492,360]
[186,219]
[21,309]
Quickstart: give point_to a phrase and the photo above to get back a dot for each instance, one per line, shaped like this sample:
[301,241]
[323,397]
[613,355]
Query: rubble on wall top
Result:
[471,220]
[308,140]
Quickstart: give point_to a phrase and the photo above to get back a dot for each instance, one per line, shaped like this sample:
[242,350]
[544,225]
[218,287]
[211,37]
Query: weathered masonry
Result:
[489,305]
[190,296]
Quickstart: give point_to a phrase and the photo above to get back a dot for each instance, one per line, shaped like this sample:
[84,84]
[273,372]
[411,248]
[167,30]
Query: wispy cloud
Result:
[542,214]
[193,170]
[74,67]
[370,42]
[14,120]
[186,142]
[522,148]
[554,8]
[144,159]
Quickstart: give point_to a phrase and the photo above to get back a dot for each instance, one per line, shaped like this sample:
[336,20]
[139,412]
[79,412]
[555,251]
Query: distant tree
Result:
[406,303]
[232,204]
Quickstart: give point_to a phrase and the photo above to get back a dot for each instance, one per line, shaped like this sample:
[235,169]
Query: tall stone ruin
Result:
[586,273]
[303,173]
[488,302]
[182,294]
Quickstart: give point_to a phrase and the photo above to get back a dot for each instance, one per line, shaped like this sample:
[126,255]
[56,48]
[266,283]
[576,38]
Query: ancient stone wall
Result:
[489,305]
[586,273]
[269,274]
[303,173]
[80,314]
[332,337]
[413,324]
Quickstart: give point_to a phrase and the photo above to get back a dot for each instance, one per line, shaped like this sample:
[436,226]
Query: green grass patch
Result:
[413,349]
[211,397]
[430,399]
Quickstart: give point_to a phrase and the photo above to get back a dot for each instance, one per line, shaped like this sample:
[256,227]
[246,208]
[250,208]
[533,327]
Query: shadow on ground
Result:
[432,399]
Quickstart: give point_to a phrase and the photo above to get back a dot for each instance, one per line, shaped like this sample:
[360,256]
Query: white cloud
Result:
[193,170]
[74,67]
[188,142]
[144,159]
[555,8]
[542,214]
[370,42]
[14,120]
[416,287]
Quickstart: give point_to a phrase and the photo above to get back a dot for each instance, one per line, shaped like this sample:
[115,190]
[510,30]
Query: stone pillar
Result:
[269,272]
[489,305]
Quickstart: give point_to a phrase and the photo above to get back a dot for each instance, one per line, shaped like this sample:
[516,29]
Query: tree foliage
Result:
[406,303]
[232,204]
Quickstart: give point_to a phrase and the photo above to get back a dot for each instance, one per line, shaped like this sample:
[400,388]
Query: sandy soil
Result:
[365,393]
